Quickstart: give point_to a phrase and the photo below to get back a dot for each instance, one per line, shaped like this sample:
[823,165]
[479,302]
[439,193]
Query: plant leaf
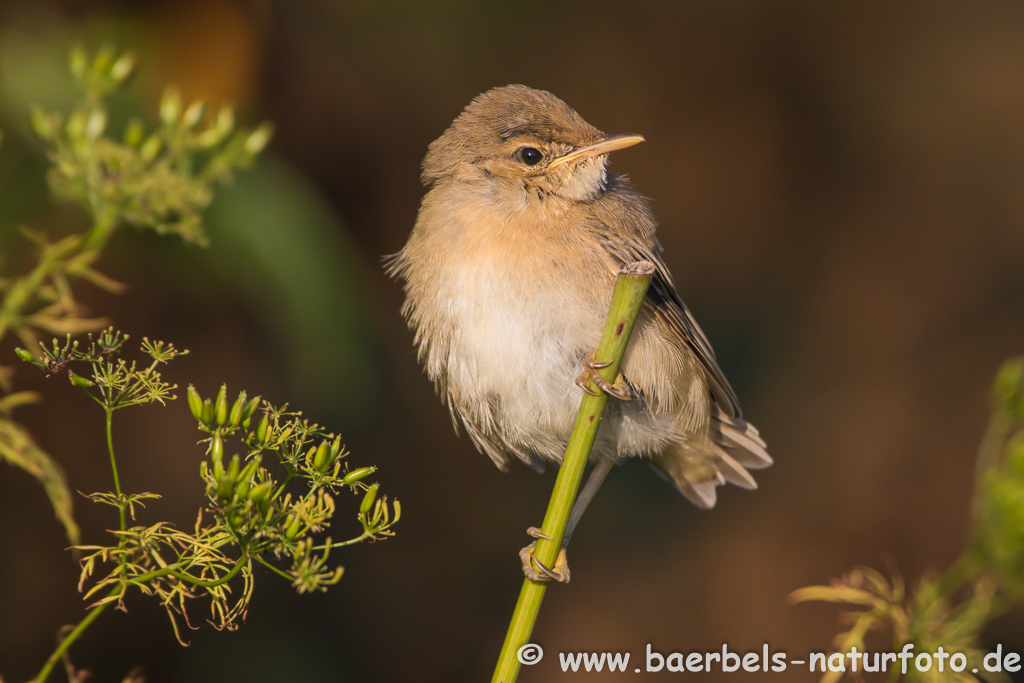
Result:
[18,448]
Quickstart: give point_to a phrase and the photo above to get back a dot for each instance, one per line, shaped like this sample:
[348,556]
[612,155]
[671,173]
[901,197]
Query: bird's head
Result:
[526,144]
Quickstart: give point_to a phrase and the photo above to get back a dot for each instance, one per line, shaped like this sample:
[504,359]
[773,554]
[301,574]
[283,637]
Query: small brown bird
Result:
[508,274]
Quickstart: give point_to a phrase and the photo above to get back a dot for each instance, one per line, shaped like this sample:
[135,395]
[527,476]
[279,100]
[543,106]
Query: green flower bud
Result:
[80,381]
[336,448]
[245,479]
[250,469]
[123,68]
[224,488]
[193,115]
[284,435]
[292,525]
[104,59]
[133,133]
[322,460]
[356,475]
[259,139]
[207,139]
[78,61]
[233,468]
[170,107]
[217,454]
[235,416]
[195,403]
[150,148]
[95,124]
[248,410]
[225,121]
[262,429]
[220,406]
[368,499]
[42,124]
[260,495]
[227,481]
[24,355]
[208,413]
[75,126]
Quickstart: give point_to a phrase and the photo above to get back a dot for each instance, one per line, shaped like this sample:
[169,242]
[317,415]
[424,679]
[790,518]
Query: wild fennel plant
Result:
[272,500]
[253,514]
[158,180]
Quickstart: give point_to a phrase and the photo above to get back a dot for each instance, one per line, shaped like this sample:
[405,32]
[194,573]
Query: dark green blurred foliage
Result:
[950,611]
[1000,520]
[999,504]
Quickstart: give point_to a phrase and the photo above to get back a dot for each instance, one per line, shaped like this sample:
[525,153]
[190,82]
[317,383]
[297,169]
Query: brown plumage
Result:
[508,274]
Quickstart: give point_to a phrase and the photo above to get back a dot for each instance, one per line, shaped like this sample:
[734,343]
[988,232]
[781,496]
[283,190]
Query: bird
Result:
[508,272]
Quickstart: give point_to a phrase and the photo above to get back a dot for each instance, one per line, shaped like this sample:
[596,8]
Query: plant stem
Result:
[54,258]
[340,544]
[203,583]
[627,298]
[23,291]
[273,568]
[72,637]
[113,468]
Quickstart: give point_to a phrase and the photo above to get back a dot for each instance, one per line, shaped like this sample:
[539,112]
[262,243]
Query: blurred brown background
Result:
[841,193]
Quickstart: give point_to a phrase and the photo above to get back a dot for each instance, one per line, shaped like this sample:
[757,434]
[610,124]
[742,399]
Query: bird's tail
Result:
[734,447]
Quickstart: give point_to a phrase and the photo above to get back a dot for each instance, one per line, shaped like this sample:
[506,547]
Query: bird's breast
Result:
[525,305]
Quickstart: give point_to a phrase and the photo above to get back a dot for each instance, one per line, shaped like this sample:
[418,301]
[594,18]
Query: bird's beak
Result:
[607,143]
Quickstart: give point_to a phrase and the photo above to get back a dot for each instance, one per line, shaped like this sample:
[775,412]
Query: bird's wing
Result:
[666,305]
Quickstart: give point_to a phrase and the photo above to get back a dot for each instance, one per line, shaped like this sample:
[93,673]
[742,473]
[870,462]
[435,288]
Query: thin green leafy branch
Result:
[253,515]
[949,610]
[158,180]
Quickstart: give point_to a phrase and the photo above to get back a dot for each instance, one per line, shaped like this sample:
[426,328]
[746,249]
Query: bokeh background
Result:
[840,188]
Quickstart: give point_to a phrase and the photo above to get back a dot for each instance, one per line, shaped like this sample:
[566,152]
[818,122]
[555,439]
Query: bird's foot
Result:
[590,374]
[535,570]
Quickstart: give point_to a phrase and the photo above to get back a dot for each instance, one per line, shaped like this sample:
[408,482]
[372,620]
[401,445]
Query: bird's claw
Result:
[619,389]
[536,570]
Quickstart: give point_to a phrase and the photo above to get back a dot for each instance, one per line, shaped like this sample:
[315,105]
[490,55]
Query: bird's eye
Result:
[531,156]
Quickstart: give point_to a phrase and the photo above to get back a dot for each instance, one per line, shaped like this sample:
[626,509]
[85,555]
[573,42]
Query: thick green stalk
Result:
[628,297]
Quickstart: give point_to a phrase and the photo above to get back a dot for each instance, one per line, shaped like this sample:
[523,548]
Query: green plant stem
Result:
[84,250]
[55,656]
[203,583]
[627,299]
[273,568]
[105,225]
[113,468]
[24,289]
[280,490]
[341,544]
